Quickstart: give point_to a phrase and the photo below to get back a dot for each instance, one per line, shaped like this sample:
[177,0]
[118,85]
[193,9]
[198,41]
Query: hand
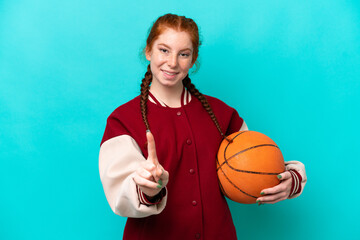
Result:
[279,192]
[151,177]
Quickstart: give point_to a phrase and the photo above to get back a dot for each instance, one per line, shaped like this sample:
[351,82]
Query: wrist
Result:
[150,200]
[156,198]
[296,183]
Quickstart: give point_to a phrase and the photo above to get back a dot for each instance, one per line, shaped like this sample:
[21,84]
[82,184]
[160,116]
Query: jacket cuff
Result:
[299,168]
[296,183]
[148,201]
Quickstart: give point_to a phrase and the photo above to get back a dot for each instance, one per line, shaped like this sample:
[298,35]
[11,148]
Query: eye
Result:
[163,50]
[184,54]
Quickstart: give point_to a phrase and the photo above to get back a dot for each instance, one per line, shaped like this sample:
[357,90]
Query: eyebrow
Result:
[170,47]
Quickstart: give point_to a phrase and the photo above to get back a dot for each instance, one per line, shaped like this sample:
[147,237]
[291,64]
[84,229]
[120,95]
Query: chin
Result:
[171,83]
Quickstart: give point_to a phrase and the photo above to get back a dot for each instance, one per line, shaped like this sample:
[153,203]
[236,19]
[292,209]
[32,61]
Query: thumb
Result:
[284,176]
[151,148]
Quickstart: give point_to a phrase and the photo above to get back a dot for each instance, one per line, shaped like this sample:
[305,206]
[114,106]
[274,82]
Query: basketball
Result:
[247,165]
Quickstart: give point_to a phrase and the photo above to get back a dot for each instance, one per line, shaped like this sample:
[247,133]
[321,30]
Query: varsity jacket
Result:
[192,205]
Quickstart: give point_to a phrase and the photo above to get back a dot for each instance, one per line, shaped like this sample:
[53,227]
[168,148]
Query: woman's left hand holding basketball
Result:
[279,192]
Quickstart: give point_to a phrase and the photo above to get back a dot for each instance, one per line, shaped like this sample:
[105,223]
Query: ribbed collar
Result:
[185,98]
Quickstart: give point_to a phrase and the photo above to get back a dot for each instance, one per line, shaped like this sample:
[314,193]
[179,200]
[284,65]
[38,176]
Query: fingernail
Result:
[258,201]
[147,130]
[159,186]
[279,176]
[262,193]
[160,182]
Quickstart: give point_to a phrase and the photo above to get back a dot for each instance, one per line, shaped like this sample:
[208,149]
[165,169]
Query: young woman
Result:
[170,190]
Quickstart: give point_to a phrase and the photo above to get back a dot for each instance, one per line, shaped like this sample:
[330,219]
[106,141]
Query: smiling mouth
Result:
[169,73]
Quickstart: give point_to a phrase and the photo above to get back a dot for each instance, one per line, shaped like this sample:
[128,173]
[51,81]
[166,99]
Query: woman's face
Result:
[171,58]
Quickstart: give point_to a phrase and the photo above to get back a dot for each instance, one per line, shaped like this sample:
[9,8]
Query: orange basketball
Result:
[248,165]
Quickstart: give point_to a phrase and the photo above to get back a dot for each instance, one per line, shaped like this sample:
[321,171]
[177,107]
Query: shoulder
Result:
[126,109]
[124,120]
[216,103]
[230,118]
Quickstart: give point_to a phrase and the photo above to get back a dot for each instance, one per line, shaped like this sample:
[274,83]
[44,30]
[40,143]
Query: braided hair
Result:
[194,91]
[145,87]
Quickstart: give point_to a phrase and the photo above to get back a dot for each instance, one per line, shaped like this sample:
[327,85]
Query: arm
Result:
[119,159]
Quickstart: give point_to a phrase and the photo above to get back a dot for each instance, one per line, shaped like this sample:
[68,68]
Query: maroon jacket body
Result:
[187,141]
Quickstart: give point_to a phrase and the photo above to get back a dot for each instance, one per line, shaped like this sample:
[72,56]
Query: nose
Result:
[172,61]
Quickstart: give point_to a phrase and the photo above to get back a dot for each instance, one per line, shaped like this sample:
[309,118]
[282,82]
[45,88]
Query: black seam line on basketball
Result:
[235,185]
[229,144]
[247,149]
[221,186]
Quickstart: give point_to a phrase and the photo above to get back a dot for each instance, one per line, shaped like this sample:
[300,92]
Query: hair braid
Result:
[191,87]
[145,95]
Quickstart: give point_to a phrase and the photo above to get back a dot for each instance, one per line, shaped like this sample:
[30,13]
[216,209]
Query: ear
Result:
[147,54]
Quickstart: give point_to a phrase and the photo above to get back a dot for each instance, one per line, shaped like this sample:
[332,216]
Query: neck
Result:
[171,96]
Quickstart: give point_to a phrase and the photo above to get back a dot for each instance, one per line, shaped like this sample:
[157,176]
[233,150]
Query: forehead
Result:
[177,40]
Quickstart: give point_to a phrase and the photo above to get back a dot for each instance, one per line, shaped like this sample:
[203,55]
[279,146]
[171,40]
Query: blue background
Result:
[290,68]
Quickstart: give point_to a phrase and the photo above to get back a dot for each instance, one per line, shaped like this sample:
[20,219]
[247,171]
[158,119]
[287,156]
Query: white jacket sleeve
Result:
[119,159]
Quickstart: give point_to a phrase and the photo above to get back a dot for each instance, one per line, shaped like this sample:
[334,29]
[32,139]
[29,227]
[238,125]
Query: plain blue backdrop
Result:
[290,68]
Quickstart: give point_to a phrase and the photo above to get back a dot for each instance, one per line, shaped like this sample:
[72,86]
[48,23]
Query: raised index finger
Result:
[151,148]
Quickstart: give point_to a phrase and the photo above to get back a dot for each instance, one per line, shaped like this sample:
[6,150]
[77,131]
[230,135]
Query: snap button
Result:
[192,171]
[194,203]
[178,113]
[197,236]
[188,141]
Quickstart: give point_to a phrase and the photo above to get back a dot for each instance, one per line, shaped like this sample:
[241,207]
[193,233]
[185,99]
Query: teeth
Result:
[169,73]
